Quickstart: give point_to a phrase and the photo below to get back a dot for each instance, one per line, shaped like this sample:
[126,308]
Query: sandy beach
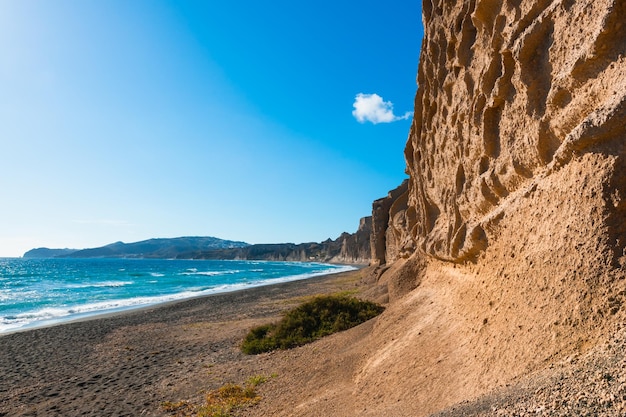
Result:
[129,363]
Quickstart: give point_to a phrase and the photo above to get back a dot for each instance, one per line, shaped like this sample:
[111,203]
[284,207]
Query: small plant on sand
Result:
[225,401]
[321,316]
[179,407]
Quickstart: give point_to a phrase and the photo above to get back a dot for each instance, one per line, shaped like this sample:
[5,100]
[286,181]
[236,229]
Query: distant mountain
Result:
[350,248]
[48,253]
[347,248]
[152,248]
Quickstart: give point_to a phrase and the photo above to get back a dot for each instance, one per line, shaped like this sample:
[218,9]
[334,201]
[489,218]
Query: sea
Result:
[42,292]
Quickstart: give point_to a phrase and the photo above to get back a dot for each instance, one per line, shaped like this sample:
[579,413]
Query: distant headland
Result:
[351,248]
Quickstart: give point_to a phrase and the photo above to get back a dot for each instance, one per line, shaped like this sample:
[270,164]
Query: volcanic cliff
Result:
[505,250]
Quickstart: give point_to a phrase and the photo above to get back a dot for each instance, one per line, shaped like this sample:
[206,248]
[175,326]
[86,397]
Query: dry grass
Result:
[227,401]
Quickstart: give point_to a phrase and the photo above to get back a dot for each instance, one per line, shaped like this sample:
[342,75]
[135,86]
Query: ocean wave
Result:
[211,273]
[57,315]
[18,294]
[103,284]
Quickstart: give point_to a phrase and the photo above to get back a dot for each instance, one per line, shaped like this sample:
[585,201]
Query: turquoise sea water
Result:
[46,291]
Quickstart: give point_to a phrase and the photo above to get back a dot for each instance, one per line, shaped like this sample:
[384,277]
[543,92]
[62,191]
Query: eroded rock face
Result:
[382,217]
[355,247]
[515,210]
[514,213]
[510,92]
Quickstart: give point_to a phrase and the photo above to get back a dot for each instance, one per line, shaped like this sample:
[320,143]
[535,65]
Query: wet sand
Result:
[127,364]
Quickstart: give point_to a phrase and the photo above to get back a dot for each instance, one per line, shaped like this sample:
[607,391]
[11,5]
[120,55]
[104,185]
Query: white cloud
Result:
[372,108]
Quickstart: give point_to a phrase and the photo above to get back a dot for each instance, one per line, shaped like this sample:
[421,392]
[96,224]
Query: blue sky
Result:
[264,122]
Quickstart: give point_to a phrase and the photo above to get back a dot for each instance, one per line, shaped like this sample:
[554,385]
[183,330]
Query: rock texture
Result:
[507,251]
[510,93]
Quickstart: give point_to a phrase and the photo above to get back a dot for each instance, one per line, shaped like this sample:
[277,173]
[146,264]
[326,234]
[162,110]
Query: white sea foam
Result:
[211,273]
[48,316]
[102,284]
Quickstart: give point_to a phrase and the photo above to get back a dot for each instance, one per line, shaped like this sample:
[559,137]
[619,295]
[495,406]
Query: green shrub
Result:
[312,320]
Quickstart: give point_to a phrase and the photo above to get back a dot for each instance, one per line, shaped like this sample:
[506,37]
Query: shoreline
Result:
[129,362]
[169,298]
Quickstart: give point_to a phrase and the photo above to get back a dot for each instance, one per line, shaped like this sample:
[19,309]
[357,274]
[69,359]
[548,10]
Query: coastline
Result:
[129,362]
